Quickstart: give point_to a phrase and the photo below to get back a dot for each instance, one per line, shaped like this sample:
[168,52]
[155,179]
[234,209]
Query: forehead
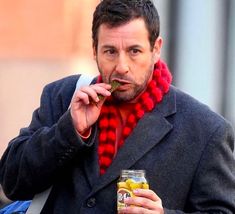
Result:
[134,31]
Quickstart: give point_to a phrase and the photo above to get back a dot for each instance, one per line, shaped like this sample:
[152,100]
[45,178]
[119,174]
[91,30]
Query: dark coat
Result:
[185,148]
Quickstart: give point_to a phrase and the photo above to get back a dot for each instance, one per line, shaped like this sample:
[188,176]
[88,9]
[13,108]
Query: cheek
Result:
[105,69]
[143,71]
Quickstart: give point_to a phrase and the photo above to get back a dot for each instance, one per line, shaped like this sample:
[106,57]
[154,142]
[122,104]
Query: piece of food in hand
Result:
[114,85]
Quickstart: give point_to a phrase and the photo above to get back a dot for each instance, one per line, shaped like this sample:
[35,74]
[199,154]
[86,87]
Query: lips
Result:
[121,81]
[125,84]
[123,87]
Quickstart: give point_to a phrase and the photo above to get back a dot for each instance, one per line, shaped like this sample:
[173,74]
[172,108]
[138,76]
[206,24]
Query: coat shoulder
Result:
[57,95]
[64,85]
[197,113]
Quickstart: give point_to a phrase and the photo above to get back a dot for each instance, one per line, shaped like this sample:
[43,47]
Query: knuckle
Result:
[147,203]
[152,194]
[83,88]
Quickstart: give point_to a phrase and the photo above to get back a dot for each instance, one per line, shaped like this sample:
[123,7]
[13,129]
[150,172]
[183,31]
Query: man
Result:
[79,143]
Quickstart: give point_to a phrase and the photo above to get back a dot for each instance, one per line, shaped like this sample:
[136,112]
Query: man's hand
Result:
[145,201]
[86,105]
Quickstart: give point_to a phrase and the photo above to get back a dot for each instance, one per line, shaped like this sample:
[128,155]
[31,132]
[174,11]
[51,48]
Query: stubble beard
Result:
[132,93]
[128,96]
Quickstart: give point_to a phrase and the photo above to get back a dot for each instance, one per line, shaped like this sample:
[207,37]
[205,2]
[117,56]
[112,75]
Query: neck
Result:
[124,110]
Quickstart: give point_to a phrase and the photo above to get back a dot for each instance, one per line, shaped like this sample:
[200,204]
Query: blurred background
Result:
[42,41]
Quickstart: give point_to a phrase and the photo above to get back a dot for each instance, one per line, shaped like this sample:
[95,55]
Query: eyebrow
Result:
[135,47]
[128,48]
[107,47]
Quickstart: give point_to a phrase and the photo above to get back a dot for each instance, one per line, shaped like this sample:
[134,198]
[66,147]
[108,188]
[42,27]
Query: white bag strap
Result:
[39,199]
[83,80]
[38,202]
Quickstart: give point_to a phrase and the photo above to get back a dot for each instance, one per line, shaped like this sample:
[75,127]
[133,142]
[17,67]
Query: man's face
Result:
[124,54]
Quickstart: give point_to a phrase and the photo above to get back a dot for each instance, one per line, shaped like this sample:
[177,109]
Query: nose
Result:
[122,66]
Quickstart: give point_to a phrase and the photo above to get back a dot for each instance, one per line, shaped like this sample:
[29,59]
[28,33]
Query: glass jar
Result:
[129,181]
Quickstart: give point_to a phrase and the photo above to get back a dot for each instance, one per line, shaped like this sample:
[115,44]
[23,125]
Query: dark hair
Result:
[117,12]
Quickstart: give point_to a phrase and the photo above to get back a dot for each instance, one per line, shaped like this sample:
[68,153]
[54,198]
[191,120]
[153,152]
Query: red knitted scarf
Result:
[156,89]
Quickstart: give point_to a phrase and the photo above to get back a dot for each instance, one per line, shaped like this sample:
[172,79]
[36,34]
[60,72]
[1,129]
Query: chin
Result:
[123,97]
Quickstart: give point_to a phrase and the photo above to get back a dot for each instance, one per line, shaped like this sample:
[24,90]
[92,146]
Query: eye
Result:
[134,51]
[110,51]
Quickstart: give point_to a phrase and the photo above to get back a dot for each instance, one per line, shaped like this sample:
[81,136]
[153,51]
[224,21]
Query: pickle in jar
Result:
[128,182]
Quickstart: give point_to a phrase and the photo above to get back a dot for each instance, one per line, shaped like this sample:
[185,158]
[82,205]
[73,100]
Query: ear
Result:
[157,48]
[94,52]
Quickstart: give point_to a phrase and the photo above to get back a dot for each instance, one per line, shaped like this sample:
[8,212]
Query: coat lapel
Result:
[149,131]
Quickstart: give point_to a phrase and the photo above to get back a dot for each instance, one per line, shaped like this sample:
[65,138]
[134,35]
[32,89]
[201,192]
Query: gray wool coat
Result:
[185,148]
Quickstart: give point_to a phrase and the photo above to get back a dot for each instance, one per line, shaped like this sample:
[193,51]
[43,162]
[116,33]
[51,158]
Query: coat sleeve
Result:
[41,151]
[213,186]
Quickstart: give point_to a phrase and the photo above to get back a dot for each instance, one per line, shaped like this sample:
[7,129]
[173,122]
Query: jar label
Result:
[122,194]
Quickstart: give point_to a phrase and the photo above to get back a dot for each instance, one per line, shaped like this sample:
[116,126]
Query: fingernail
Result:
[135,191]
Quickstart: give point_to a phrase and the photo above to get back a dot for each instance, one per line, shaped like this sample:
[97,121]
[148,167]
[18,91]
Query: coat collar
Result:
[154,125]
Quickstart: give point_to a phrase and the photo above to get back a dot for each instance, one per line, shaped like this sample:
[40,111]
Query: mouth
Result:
[123,84]
[121,81]
[114,85]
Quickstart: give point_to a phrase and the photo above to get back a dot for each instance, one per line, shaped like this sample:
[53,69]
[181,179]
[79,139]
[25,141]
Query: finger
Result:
[142,202]
[135,210]
[81,96]
[100,90]
[147,193]
[91,93]
[94,90]
[88,93]
[104,85]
